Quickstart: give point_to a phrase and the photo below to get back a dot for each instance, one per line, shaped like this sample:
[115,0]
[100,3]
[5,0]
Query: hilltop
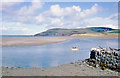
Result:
[77,32]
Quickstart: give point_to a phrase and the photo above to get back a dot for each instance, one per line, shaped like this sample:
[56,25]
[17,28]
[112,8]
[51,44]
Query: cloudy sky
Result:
[20,18]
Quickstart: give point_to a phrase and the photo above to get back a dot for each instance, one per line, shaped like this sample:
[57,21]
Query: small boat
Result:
[75,48]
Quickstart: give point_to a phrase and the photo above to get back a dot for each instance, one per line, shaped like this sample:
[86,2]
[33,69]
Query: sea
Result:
[53,54]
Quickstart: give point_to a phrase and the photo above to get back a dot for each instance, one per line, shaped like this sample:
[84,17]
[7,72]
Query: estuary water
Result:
[53,54]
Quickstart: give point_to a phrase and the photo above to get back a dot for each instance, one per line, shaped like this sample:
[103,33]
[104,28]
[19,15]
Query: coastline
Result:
[37,41]
[73,69]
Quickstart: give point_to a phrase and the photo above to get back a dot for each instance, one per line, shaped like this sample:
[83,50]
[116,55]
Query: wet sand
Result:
[36,41]
[75,69]
[31,41]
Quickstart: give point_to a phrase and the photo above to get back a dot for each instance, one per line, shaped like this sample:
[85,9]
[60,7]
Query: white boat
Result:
[74,48]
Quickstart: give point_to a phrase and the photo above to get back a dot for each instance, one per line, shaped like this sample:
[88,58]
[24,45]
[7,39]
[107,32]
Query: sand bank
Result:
[36,41]
[75,69]
[33,41]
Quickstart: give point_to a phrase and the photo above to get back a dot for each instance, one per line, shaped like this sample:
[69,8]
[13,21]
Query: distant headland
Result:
[92,31]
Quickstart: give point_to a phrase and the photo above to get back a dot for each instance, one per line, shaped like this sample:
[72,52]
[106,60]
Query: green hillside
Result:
[69,32]
[114,31]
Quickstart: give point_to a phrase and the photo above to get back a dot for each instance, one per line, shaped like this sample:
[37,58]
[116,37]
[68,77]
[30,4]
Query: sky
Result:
[28,18]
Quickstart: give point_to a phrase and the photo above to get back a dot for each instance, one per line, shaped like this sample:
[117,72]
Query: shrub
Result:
[90,60]
[106,65]
[103,68]
[101,64]
[95,62]
[112,67]
[118,69]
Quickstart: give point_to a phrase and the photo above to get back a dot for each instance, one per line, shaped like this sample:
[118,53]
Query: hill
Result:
[70,32]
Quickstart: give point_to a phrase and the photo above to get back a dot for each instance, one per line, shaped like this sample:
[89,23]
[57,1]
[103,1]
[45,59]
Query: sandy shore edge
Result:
[73,69]
[36,41]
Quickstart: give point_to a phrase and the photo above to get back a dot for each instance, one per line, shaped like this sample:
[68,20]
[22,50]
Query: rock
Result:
[87,65]
[71,63]
[97,65]
[83,70]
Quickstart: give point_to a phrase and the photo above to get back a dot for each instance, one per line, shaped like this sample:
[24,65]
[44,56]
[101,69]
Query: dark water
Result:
[53,54]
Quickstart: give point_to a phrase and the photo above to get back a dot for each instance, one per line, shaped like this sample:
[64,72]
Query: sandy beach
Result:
[36,41]
[31,41]
[73,69]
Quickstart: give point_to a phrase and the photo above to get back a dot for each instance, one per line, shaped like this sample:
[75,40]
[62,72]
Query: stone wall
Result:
[106,57]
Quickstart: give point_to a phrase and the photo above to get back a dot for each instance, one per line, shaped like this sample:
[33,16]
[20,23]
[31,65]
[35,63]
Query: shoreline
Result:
[37,41]
[73,69]
[30,41]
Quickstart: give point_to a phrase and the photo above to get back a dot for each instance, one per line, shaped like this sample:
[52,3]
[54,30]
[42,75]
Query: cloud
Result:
[7,5]
[89,12]
[56,10]
[13,0]
[68,17]
[75,17]
[25,13]
[24,29]
[111,21]
[3,28]
[54,17]
[40,18]
[114,17]
[30,10]
[14,28]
